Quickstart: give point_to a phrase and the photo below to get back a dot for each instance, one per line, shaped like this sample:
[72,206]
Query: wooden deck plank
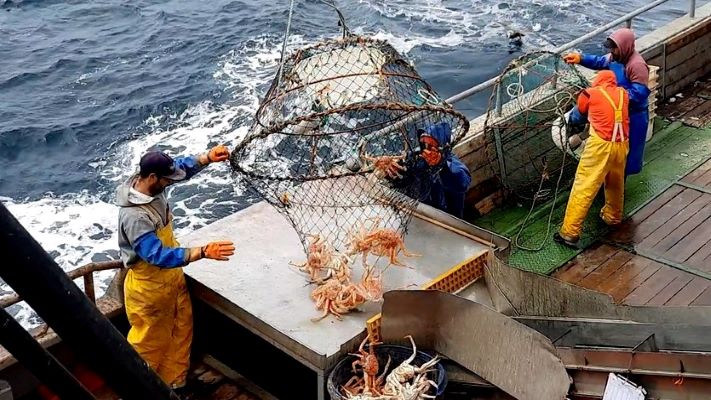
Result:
[585,263]
[627,272]
[700,259]
[701,170]
[624,287]
[209,384]
[656,204]
[703,179]
[625,232]
[684,107]
[664,214]
[700,116]
[690,292]
[600,275]
[689,225]
[666,230]
[692,239]
[675,286]
[704,298]
[651,286]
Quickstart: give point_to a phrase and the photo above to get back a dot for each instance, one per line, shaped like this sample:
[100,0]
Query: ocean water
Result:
[87,87]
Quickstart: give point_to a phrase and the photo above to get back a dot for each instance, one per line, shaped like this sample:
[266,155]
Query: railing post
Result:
[499,101]
[692,8]
[628,23]
[89,287]
[556,68]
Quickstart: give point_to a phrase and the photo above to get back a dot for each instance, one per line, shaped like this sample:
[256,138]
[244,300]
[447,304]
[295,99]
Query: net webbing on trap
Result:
[333,110]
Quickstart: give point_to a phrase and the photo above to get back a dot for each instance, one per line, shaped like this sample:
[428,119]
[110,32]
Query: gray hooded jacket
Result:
[135,220]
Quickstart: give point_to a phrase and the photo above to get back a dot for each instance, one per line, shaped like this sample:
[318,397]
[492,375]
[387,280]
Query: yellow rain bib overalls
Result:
[159,311]
[602,161]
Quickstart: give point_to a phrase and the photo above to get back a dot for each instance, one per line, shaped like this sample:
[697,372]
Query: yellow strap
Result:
[617,108]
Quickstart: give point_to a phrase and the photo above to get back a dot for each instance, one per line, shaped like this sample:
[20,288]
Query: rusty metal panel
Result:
[669,364]
[518,360]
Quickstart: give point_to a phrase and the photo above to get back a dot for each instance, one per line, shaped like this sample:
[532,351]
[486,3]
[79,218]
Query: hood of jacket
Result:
[604,78]
[636,69]
[441,132]
[624,39]
[125,197]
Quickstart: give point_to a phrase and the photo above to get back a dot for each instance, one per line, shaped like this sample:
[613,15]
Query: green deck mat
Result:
[674,151]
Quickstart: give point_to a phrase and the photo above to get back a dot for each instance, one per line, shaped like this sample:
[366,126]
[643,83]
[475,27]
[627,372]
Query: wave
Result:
[478,22]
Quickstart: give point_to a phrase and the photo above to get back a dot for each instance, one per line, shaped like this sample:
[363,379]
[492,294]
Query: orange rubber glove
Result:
[432,157]
[573,58]
[218,250]
[218,153]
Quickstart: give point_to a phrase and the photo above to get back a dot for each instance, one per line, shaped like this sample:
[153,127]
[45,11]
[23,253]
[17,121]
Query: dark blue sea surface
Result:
[87,87]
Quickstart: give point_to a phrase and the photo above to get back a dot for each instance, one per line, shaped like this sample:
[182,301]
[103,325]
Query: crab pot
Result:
[343,371]
[331,107]
[523,127]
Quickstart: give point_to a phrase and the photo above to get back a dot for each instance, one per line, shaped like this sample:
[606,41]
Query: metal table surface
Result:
[260,290]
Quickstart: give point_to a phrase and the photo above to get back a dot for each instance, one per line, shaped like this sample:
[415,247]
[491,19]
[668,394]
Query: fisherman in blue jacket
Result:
[632,74]
[438,176]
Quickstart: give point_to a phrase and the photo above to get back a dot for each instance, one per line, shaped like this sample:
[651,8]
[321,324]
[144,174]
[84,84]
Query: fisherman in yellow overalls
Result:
[604,156]
[156,298]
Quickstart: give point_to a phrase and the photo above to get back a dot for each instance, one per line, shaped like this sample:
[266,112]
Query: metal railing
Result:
[627,19]
[86,271]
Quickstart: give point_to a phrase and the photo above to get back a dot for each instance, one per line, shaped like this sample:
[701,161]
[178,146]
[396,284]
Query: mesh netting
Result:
[331,110]
[525,128]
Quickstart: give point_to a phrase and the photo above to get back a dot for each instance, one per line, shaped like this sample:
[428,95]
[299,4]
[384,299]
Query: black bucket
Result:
[343,371]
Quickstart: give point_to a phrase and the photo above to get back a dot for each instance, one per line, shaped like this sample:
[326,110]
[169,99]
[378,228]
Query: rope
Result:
[341,19]
[550,213]
[283,46]
[566,97]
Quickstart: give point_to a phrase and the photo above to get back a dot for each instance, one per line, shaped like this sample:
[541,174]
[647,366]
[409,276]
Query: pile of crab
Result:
[336,293]
[404,382]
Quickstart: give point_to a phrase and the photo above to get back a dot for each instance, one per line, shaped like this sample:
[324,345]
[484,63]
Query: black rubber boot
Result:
[569,243]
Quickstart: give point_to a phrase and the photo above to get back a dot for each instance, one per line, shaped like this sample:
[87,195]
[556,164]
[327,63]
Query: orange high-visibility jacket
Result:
[607,107]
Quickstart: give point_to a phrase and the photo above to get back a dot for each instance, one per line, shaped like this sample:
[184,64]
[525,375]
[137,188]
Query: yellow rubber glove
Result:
[218,250]
[218,153]
[573,58]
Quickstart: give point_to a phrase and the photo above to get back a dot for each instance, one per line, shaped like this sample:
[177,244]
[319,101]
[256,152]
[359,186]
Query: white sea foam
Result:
[405,44]
[474,22]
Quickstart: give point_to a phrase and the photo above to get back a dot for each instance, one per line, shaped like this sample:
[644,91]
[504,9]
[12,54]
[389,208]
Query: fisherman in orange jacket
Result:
[604,157]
